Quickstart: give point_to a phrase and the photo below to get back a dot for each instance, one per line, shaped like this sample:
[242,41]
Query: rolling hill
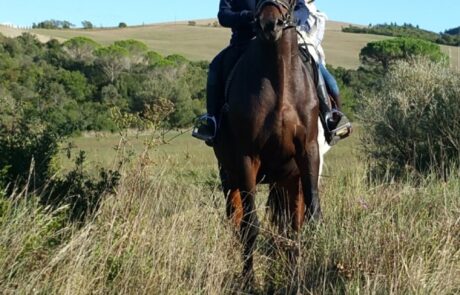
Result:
[203,41]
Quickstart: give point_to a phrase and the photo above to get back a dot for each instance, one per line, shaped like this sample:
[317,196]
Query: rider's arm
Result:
[301,13]
[233,19]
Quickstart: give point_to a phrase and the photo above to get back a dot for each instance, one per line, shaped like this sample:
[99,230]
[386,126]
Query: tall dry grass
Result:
[164,232]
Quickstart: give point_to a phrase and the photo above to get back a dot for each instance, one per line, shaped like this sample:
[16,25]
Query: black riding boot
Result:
[206,126]
[336,124]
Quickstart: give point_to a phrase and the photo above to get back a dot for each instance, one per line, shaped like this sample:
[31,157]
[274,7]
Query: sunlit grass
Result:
[164,231]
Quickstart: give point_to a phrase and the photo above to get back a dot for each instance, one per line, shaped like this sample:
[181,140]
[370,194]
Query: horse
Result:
[269,130]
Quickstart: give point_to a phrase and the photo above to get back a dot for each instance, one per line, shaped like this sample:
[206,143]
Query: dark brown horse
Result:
[269,131]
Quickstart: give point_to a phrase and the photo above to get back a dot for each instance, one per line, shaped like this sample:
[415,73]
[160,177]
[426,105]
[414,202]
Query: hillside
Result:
[202,42]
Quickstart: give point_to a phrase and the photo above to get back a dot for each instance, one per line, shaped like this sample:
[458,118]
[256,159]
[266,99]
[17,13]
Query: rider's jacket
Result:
[239,16]
[312,34]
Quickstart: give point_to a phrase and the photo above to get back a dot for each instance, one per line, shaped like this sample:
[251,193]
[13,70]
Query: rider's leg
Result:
[207,124]
[213,85]
[337,123]
[331,84]
[215,91]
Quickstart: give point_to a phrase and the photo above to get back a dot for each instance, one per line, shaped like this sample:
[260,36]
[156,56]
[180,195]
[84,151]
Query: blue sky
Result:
[430,15]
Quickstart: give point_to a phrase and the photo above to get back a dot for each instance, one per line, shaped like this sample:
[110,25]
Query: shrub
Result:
[81,191]
[28,149]
[26,155]
[412,124]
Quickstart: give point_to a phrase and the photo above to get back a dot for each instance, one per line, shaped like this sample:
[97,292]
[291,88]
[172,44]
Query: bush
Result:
[28,150]
[26,155]
[412,125]
[81,191]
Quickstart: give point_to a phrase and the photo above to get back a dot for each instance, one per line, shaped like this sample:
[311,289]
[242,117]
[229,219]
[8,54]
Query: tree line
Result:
[49,91]
[53,24]
[74,85]
[407,30]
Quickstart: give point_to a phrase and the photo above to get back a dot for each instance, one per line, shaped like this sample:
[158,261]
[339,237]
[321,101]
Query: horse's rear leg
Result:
[296,203]
[234,203]
[308,161]
[235,207]
[250,224]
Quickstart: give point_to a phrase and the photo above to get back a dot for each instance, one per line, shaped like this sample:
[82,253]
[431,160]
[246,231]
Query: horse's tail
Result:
[277,207]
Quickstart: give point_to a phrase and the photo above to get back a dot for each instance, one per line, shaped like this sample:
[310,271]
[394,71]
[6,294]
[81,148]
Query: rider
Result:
[239,16]
[310,38]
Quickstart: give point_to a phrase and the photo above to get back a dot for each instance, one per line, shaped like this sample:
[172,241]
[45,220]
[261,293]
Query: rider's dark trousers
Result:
[219,69]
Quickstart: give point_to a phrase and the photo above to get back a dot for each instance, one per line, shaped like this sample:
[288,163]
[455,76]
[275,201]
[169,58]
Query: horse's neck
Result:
[284,61]
[287,46]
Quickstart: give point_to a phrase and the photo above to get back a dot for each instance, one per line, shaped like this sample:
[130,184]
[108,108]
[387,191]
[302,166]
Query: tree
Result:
[112,60]
[87,25]
[153,57]
[122,25]
[67,25]
[177,59]
[81,49]
[454,31]
[136,50]
[386,52]
[54,24]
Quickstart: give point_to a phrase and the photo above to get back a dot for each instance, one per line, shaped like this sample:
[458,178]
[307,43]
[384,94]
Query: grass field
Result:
[203,42]
[164,231]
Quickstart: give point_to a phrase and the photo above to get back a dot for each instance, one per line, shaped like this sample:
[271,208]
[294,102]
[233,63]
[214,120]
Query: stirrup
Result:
[202,124]
[342,129]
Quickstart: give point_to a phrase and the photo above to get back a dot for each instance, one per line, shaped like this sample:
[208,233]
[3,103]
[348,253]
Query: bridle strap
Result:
[288,21]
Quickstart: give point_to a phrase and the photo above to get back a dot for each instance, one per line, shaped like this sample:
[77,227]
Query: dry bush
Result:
[413,124]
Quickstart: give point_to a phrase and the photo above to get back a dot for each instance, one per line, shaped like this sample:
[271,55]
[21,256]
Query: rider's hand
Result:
[248,16]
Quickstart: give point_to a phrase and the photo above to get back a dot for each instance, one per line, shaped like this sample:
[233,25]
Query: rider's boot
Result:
[338,126]
[335,122]
[206,126]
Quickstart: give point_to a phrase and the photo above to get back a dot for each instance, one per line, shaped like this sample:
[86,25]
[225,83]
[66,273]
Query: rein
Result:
[287,18]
